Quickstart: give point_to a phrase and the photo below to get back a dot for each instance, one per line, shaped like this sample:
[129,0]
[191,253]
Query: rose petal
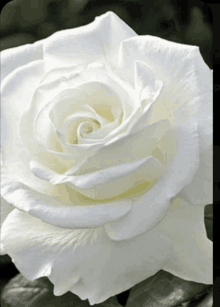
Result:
[81,261]
[150,208]
[102,134]
[126,148]
[94,94]
[179,68]
[13,58]
[42,96]
[67,163]
[23,90]
[61,93]
[68,209]
[5,208]
[160,56]
[72,122]
[59,162]
[106,183]
[199,191]
[147,91]
[146,85]
[50,137]
[98,88]
[184,224]
[57,80]
[99,37]
[14,155]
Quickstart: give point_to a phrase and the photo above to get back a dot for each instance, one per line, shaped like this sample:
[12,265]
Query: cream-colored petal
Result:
[147,90]
[178,66]
[67,209]
[95,41]
[100,92]
[83,261]
[84,128]
[14,103]
[109,182]
[49,138]
[13,58]
[5,209]
[191,257]
[200,190]
[150,207]
[145,81]
[15,157]
[102,133]
[168,60]
[127,148]
[69,163]
[60,94]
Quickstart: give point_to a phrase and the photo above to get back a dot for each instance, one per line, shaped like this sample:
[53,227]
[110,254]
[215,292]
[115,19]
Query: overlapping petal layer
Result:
[80,260]
[127,148]
[185,96]
[191,257]
[67,94]
[13,58]
[108,182]
[6,208]
[66,208]
[200,190]
[97,41]
[181,151]
[13,105]
[91,255]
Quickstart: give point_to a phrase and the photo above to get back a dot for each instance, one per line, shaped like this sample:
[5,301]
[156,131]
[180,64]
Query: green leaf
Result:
[164,290]
[21,292]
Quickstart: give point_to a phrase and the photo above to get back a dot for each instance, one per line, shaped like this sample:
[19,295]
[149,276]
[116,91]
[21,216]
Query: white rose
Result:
[106,140]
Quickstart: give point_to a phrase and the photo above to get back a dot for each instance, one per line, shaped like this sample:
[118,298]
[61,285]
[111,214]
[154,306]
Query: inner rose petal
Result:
[112,97]
[103,133]
[71,124]
[101,98]
[109,182]
[85,128]
[94,102]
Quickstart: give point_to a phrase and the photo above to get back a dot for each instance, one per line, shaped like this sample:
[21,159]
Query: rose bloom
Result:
[106,148]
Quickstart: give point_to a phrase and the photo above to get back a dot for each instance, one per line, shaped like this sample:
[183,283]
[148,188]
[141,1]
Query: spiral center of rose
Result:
[87,127]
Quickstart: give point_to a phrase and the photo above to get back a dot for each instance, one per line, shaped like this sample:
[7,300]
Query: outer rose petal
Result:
[191,250]
[150,208]
[13,105]
[6,208]
[16,57]
[127,148]
[68,209]
[97,41]
[186,96]
[200,190]
[81,261]
[108,182]
[176,65]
